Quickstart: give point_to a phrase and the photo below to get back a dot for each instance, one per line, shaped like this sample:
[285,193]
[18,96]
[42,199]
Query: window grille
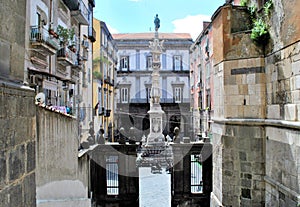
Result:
[196,174]
[112,172]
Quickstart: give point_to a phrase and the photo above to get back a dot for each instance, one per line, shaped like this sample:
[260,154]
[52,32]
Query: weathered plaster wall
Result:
[61,176]
[17,141]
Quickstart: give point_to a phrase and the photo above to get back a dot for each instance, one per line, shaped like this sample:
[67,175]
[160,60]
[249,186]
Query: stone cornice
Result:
[259,122]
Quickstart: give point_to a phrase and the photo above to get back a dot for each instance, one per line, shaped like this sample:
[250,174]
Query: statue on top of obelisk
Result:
[156,22]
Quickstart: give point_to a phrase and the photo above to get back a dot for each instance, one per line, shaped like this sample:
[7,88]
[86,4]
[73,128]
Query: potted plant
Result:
[65,35]
[53,33]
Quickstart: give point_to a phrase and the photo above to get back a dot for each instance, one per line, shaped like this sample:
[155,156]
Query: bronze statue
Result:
[156,22]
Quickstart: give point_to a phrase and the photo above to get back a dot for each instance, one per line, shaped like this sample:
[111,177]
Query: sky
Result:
[134,16]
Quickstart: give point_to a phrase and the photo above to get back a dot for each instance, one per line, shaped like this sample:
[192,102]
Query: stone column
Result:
[155,113]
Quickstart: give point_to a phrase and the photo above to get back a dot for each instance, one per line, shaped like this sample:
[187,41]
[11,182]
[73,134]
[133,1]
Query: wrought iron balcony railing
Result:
[66,57]
[81,13]
[42,40]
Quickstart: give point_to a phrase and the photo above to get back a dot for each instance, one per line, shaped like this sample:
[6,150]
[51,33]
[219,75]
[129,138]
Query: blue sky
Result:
[130,16]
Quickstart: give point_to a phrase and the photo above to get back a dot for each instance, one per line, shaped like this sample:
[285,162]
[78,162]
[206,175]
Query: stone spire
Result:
[155,112]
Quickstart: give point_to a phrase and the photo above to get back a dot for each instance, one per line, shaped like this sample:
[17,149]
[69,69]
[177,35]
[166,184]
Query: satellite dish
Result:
[40,98]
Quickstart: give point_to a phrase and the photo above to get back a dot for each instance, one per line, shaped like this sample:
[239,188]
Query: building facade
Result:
[58,60]
[104,76]
[47,55]
[202,82]
[134,81]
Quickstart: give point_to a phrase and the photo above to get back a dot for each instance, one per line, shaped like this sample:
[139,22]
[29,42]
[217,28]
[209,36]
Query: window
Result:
[38,19]
[112,172]
[149,62]
[100,110]
[207,70]
[124,63]
[177,63]
[105,98]
[104,39]
[148,94]
[124,95]
[104,70]
[196,174]
[177,95]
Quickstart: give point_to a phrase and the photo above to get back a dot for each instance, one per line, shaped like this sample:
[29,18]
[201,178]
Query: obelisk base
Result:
[155,136]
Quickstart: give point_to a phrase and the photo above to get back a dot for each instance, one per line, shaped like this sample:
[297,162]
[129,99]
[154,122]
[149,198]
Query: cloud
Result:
[112,30]
[190,24]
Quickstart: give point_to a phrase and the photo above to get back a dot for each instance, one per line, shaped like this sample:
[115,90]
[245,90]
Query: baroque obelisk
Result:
[155,136]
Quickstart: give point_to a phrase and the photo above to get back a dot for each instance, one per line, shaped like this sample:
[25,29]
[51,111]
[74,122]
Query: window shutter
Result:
[181,63]
[128,64]
[173,62]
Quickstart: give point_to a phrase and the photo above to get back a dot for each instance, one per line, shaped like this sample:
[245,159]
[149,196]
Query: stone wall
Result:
[17,140]
[240,175]
[282,144]
[256,124]
[61,177]
[282,167]
[12,39]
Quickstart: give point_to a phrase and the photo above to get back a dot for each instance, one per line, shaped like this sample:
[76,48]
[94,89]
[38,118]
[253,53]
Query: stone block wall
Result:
[12,39]
[282,167]
[282,82]
[241,170]
[17,140]
[244,88]
[282,144]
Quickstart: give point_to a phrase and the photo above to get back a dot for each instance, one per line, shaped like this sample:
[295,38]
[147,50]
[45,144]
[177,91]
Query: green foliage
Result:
[244,2]
[101,59]
[267,7]
[259,31]
[97,75]
[96,61]
[65,35]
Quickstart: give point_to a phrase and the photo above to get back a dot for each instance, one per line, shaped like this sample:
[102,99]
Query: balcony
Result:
[66,57]
[43,41]
[81,13]
[92,34]
[77,64]
[71,4]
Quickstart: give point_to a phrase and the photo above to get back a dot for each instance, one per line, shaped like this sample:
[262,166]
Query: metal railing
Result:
[41,35]
[84,10]
[68,54]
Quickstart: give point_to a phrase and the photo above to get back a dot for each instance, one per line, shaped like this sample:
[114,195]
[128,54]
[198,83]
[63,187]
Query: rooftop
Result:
[150,35]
